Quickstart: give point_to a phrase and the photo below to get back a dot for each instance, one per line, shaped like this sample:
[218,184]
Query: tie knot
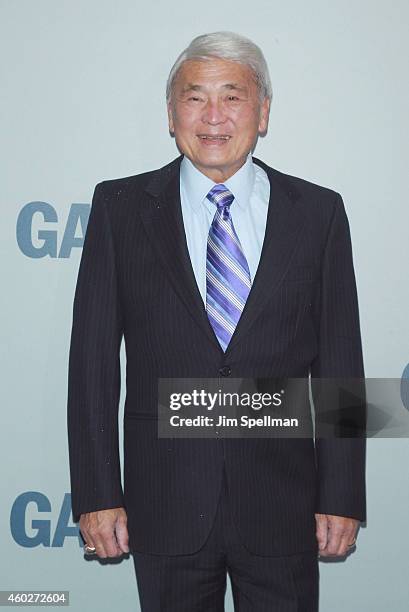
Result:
[220,196]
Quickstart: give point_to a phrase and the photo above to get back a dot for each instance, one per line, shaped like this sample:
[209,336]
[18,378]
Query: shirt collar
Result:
[197,185]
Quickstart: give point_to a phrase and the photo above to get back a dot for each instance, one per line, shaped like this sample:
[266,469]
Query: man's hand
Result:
[106,530]
[334,533]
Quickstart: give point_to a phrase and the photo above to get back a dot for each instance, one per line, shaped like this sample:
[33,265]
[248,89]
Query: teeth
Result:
[215,137]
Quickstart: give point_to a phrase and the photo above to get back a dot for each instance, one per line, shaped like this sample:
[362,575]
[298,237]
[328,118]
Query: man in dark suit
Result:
[215,265]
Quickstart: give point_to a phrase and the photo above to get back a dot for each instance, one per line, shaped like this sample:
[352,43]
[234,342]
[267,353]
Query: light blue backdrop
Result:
[82,101]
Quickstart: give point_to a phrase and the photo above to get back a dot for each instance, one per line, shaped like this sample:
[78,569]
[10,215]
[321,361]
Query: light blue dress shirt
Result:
[251,189]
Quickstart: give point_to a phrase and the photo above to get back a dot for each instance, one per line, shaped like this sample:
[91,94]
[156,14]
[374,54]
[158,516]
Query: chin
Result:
[213,155]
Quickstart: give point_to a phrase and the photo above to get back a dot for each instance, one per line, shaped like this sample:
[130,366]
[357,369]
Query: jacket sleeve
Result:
[340,460]
[94,376]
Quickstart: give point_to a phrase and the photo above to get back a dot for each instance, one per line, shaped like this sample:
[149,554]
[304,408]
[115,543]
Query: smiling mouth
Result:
[215,137]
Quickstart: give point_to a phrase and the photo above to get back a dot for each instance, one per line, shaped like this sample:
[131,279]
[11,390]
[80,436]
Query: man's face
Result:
[216,115]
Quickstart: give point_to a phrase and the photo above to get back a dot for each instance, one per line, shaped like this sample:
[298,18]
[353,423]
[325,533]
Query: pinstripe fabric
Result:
[135,283]
[228,279]
[197,582]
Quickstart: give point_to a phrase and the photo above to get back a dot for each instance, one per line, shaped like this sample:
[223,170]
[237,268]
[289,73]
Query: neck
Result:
[220,174]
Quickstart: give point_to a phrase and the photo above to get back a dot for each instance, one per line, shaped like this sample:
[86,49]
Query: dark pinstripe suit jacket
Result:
[135,280]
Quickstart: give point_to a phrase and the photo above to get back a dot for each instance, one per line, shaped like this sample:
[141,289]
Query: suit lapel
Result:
[285,221]
[163,222]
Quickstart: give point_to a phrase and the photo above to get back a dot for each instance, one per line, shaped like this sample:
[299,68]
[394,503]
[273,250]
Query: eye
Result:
[233,98]
[194,98]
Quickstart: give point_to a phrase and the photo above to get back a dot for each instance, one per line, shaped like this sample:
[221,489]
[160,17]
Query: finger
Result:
[122,535]
[109,542]
[344,546]
[335,535]
[98,538]
[88,541]
[86,536]
[321,531]
[99,547]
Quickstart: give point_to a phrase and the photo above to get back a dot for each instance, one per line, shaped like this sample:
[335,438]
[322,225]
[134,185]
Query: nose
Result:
[213,113]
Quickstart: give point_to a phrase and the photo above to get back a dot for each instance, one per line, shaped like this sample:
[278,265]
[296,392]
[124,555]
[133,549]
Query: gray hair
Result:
[229,46]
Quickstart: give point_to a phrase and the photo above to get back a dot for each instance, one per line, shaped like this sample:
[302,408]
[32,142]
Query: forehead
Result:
[214,72]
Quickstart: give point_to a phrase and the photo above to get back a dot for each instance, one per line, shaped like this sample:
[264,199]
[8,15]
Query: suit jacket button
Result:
[225,371]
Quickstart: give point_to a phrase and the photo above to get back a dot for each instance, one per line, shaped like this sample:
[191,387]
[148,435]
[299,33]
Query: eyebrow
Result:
[230,86]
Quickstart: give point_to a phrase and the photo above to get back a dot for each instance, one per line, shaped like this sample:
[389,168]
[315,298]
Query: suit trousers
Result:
[197,582]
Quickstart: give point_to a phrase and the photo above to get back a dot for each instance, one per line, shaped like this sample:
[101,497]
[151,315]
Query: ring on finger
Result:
[90,550]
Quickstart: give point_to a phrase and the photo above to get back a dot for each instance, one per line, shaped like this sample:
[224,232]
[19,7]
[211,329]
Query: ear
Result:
[170,117]
[264,115]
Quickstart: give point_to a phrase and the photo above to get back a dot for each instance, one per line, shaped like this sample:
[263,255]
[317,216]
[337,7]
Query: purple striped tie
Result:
[228,280]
